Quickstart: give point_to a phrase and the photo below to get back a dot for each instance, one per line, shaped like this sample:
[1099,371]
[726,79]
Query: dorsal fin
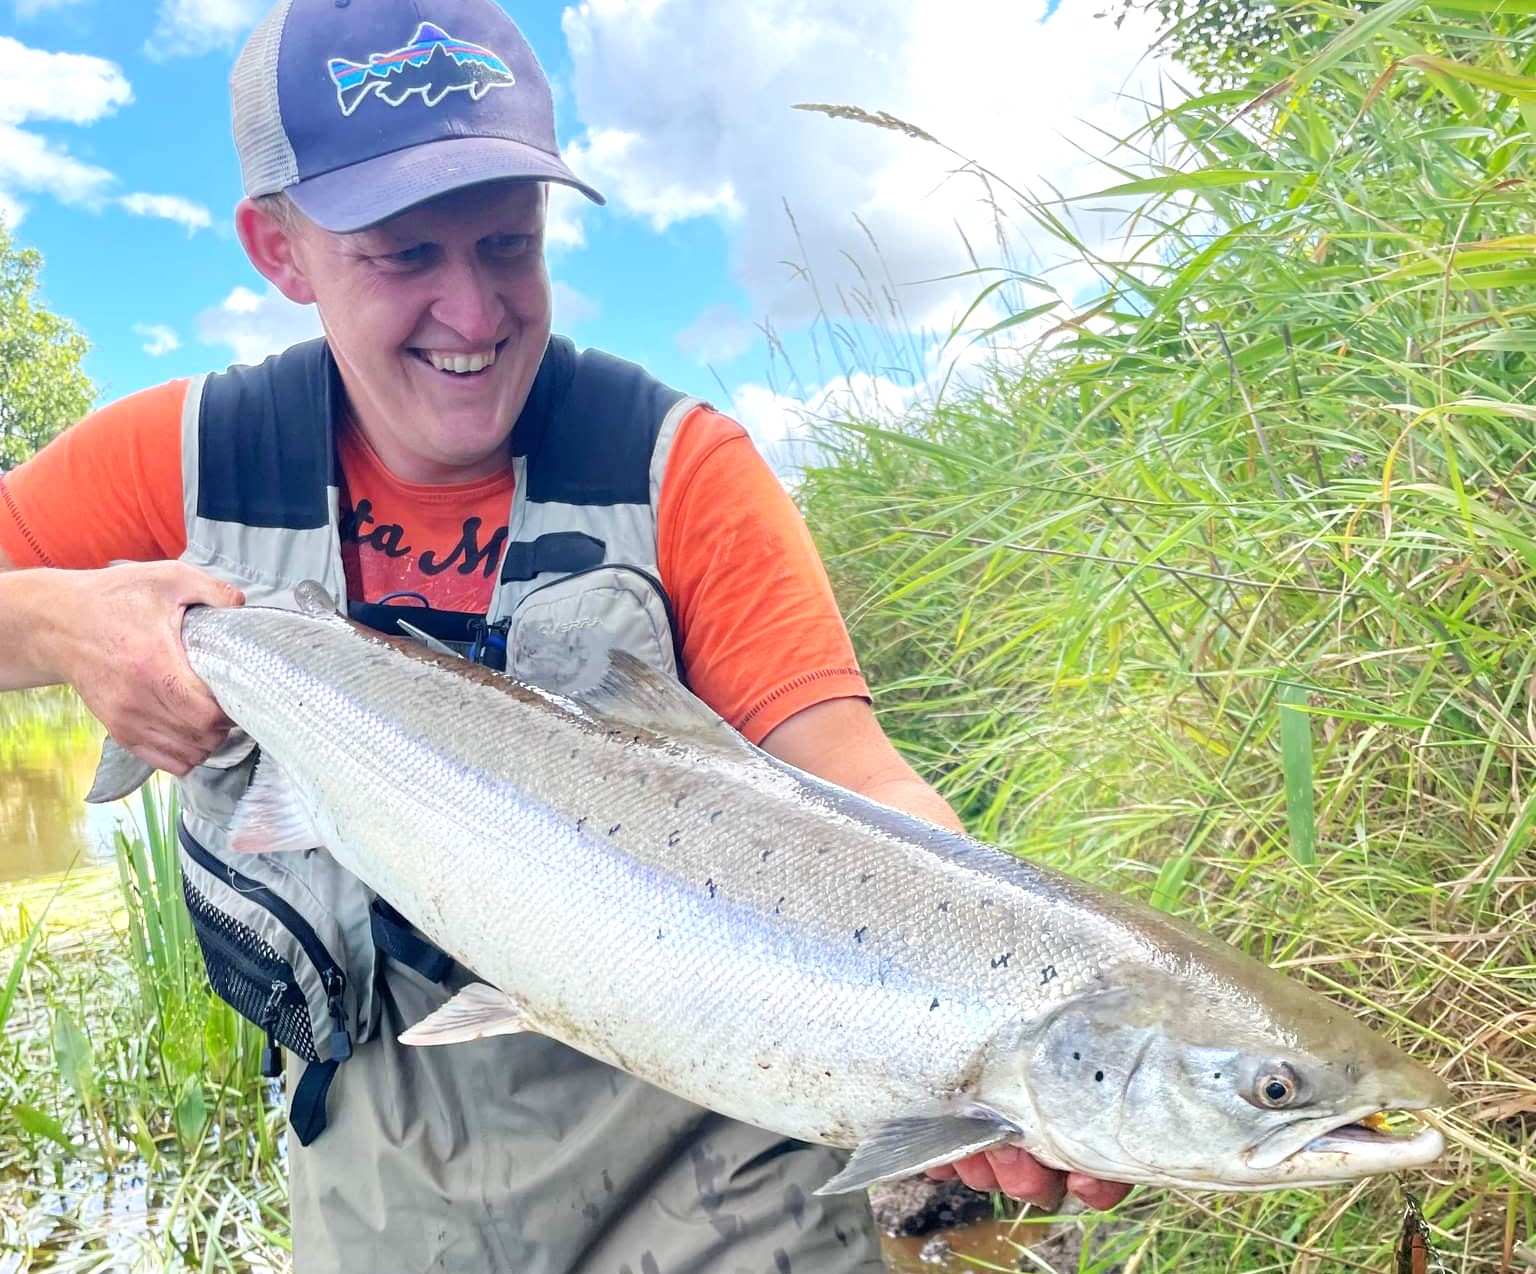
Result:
[312,600]
[632,692]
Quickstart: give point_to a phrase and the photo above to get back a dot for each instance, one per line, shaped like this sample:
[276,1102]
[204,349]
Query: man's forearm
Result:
[33,606]
[913,796]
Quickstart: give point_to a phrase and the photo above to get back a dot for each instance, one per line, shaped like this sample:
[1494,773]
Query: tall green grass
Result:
[1221,587]
[136,1132]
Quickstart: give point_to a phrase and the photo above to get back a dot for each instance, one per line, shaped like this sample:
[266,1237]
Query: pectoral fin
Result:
[270,818]
[478,1011]
[118,773]
[905,1147]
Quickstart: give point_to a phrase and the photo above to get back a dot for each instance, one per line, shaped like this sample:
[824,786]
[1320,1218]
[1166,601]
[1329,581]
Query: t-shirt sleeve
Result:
[108,488]
[760,630]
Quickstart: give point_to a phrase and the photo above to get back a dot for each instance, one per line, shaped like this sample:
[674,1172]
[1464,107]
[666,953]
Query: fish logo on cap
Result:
[433,64]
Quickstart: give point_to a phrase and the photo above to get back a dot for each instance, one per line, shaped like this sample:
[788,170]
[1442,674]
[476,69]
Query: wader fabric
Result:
[514,1154]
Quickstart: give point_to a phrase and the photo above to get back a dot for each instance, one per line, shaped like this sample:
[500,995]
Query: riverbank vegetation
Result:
[1219,589]
[138,1133]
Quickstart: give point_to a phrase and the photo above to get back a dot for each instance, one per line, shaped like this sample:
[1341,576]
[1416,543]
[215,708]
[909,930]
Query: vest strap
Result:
[393,935]
[306,1113]
[562,551]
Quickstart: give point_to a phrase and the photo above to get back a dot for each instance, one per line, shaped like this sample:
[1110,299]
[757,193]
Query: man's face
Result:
[438,319]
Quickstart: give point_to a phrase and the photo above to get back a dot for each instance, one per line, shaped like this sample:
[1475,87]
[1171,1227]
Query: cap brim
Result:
[365,194]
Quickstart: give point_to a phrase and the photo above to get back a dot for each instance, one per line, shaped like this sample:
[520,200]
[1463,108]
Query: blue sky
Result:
[116,162]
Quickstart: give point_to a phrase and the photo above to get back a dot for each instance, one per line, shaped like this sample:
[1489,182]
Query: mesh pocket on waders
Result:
[247,973]
[267,959]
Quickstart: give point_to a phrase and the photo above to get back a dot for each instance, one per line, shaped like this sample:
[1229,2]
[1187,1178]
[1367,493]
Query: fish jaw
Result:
[1353,1149]
[1161,1081]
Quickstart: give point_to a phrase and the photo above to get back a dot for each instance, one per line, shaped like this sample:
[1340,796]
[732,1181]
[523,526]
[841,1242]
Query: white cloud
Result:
[770,417]
[717,135]
[187,28]
[571,307]
[170,207]
[784,426]
[29,163]
[618,156]
[718,335]
[563,226]
[158,339]
[73,87]
[68,87]
[12,210]
[252,325]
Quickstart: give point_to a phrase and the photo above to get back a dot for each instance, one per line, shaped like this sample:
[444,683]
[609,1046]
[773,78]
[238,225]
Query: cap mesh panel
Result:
[267,161]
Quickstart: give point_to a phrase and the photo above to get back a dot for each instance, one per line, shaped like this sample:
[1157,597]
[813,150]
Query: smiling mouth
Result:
[460,364]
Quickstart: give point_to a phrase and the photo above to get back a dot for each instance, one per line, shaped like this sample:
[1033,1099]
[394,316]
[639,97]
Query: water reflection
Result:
[48,749]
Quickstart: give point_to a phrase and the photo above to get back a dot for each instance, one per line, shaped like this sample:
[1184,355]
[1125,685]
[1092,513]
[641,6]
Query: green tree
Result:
[43,388]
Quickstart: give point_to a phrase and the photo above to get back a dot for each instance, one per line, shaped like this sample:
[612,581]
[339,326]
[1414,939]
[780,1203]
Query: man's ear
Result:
[272,249]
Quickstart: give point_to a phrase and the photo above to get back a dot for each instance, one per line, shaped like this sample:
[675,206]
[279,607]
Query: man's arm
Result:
[841,741]
[115,636]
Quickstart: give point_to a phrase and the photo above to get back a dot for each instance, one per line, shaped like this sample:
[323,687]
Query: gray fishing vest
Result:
[292,940]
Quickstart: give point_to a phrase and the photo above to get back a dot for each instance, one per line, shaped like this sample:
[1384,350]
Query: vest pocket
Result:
[274,966]
[561,632]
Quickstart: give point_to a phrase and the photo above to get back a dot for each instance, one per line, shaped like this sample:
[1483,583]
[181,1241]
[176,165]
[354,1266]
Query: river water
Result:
[49,744]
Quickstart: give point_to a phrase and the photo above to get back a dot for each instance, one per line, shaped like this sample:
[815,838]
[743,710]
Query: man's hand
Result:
[115,635]
[1019,1175]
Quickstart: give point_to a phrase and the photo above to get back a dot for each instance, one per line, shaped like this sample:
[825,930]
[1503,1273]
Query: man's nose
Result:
[469,304]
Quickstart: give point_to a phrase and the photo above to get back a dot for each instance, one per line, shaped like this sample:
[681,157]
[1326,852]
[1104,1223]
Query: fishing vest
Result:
[293,941]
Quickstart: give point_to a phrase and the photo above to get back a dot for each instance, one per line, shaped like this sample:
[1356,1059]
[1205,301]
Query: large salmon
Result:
[633,878]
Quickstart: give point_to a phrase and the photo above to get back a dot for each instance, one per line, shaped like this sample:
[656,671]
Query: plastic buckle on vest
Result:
[488,644]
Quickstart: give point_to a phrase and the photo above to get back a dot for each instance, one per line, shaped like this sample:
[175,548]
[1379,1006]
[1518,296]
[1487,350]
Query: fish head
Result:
[1181,1080]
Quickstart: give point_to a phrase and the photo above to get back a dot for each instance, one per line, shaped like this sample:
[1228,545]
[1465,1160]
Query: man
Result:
[440,459]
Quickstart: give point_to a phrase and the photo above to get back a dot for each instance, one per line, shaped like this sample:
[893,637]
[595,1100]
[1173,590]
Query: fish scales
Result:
[618,913]
[652,890]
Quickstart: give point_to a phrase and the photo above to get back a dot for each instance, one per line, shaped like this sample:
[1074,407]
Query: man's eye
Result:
[508,245]
[408,256]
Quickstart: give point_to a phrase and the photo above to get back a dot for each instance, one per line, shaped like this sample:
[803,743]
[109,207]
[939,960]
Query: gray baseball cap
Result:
[360,109]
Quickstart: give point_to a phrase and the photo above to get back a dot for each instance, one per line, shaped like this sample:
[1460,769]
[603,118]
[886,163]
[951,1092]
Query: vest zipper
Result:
[271,1058]
[332,977]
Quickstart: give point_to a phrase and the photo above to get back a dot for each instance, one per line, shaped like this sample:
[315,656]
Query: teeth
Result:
[461,363]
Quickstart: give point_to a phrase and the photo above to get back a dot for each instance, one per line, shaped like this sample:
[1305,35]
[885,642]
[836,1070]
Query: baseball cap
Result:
[360,109]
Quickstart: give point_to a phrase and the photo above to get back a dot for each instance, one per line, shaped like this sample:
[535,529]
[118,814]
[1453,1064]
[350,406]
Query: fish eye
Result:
[1275,1087]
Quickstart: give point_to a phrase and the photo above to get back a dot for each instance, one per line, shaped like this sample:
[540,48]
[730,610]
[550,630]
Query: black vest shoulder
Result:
[266,455]
[590,427]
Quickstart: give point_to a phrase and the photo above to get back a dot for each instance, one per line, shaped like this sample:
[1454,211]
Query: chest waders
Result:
[516,1153]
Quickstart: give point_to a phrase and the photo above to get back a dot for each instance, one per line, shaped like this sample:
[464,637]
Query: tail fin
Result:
[341,69]
[352,81]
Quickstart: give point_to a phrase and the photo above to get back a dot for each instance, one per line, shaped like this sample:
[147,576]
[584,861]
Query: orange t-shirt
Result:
[760,632]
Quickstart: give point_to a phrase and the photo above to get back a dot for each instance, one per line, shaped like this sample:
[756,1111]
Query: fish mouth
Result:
[1396,1134]
[1366,1143]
